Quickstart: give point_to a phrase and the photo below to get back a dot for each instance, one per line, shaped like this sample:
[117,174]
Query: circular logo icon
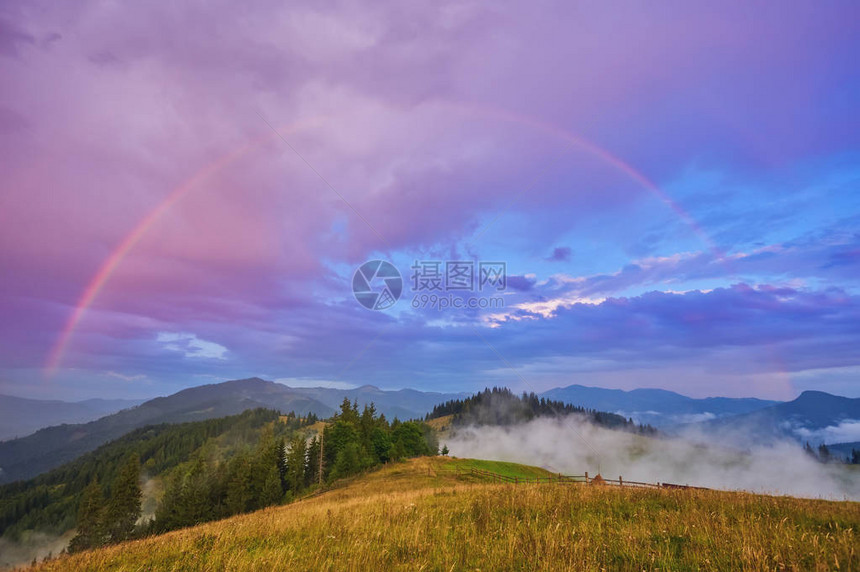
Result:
[377,285]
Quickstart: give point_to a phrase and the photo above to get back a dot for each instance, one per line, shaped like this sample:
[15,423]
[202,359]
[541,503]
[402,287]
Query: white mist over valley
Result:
[572,447]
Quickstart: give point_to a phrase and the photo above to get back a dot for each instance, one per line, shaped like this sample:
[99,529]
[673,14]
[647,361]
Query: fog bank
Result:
[560,446]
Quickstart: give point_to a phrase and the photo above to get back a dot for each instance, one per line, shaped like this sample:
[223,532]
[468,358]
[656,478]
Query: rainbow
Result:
[100,279]
[597,151]
[112,262]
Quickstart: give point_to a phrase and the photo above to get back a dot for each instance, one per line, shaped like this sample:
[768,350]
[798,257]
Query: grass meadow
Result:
[431,514]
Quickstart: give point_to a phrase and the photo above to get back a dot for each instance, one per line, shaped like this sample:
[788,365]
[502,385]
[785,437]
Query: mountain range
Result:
[20,416]
[814,416]
[657,407]
[52,446]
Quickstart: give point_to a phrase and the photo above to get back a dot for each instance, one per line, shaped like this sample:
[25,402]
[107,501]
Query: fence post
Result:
[620,481]
[586,477]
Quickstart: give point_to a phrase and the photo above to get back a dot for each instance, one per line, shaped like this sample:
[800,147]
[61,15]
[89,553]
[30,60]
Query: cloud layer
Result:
[672,188]
[571,448]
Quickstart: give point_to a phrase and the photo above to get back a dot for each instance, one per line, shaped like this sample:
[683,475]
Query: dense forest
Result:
[202,471]
[49,503]
[279,469]
[500,406]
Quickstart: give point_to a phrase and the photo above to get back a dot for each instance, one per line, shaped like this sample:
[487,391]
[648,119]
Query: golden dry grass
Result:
[440,423]
[422,515]
[318,427]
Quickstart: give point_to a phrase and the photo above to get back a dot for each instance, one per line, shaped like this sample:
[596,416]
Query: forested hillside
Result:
[204,470]
[282,467]
[53,446]
[500,406]
[49,503]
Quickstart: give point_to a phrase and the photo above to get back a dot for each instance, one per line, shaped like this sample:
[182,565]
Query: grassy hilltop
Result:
[429,513]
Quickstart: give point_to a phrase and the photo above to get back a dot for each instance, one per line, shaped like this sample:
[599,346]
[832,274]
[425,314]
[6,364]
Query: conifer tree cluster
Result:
[49,503]
[824,455]
[279,468]
[500,406]
[113,520]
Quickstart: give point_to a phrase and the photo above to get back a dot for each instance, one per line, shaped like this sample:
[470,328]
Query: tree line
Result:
[49,502]
[102,521]
[278,469]
[824,455]
[500,406]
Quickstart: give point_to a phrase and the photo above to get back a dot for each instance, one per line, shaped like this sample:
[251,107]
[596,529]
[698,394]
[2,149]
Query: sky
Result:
[188,189]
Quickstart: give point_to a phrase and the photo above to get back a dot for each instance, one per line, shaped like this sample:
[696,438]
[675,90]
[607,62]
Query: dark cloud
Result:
[521,283]
[12,38]
[560,254]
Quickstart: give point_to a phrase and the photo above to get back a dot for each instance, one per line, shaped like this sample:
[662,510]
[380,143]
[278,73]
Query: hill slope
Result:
[430,513]
[51,447]
[48,504]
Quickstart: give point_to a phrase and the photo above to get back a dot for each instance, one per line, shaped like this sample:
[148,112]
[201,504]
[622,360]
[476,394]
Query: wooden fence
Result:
[574,479]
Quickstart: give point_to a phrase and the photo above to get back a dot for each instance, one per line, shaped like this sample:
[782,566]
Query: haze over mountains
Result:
[815,416]
[657,407]
[52,446]
[20,416]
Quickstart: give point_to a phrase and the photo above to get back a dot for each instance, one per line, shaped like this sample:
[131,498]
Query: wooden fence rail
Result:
[574,479]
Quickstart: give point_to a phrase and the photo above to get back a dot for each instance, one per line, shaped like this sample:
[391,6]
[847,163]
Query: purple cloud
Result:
[521,283]
[560,254]
[451,133]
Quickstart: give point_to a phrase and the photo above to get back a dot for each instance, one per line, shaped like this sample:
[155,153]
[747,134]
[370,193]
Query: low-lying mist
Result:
[571,446]
[33,545]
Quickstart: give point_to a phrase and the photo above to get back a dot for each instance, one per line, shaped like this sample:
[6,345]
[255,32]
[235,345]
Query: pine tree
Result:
[348,462]
[168,515]
[380,444]
[296,460]
[265,457]
[272,492]
[445,450]
[313,461]
[239,494]
[90,524]
[398,451]
[195,506]
[124,506]
[349,412]
[366,424]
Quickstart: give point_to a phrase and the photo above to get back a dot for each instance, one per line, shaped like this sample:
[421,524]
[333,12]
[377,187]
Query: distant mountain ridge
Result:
[815,416]
[657,407]
[52,446]
[401,403]
[20,416]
